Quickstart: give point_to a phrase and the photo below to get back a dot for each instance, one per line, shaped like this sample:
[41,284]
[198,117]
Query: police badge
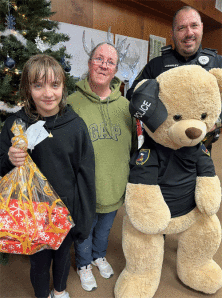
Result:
[203,60]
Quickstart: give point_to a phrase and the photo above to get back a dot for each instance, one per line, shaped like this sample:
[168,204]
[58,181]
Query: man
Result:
[187,32]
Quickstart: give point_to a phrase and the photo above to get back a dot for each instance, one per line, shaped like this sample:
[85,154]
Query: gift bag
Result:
[32,216]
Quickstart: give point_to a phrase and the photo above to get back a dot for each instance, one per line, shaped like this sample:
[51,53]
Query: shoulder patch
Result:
[143,156]
[204,149]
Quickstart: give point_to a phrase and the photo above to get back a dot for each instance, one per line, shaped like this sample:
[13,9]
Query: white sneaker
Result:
[105,269]
[88,281]
[63,295]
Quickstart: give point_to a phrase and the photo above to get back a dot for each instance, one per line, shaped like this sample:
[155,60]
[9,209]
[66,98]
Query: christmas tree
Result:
[25,30]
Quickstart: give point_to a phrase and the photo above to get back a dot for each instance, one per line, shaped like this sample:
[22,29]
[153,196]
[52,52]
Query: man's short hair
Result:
[187,8]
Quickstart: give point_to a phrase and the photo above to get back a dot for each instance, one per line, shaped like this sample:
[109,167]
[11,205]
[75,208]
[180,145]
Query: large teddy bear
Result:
[173,188]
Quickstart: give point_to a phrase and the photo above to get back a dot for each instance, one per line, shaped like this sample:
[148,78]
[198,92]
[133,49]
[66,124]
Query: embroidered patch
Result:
[204,149]
[143,156]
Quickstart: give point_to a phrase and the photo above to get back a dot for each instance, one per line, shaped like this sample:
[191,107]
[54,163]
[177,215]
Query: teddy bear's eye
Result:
[203,116]
[177,117]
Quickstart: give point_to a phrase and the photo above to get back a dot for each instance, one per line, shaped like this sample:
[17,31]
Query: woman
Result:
[106,113]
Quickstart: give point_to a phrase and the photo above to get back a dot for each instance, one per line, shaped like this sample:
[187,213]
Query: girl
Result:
[65,157]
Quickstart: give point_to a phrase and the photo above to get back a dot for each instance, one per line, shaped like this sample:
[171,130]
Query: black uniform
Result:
[175,171]
[206,58]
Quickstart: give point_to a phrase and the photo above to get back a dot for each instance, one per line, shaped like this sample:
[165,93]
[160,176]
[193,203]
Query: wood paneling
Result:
[139,18]
[213,39]
[121,20]
[209,14]
[77,12]
[157,25]
[207,7]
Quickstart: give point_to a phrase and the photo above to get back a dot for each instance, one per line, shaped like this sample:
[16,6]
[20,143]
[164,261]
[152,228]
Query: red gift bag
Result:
[32,216]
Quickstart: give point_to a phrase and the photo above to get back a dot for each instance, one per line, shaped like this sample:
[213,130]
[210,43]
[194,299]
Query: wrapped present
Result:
[32,216]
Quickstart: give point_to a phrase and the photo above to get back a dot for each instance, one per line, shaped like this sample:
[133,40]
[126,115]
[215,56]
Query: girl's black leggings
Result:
[40,268]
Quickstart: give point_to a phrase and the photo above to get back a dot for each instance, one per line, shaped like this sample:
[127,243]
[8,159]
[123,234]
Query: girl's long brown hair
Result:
[35,69]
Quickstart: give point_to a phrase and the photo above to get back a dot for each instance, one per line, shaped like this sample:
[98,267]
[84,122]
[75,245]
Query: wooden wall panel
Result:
[156,25]
[122,21]
[207,7]
[130,22]
[127,18]
[77,12]
[213,39]
[138,18]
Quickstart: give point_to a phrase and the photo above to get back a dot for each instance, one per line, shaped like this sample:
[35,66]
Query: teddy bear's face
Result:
[192,98]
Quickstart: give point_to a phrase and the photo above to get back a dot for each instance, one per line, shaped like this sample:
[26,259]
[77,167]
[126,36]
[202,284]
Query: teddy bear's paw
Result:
[146,208]
[206,279]
[151,223]
[208,194]
[131,285]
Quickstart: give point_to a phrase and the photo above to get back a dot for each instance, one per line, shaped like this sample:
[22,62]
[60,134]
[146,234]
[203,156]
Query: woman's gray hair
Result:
[104,43]
[86,75]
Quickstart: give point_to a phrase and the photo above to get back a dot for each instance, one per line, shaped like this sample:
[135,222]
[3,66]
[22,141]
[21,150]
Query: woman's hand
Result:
[17,156]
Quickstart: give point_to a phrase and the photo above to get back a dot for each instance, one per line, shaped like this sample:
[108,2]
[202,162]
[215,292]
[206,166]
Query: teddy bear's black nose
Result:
[193,133]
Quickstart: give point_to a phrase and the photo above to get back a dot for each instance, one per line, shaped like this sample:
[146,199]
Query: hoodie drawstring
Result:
[103,116]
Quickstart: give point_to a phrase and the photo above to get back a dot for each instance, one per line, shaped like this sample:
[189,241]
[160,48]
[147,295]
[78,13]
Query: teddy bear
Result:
[172,187]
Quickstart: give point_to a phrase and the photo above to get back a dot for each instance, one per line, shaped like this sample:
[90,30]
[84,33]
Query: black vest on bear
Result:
[206,58]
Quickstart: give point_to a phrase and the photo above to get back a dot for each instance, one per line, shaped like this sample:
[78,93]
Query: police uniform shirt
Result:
[171,59]
[175,171]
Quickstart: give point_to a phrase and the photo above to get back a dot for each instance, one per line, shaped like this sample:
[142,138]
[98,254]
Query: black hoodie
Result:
[66,160]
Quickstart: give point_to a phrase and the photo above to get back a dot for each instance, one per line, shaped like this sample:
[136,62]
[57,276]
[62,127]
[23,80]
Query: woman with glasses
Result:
[113,132]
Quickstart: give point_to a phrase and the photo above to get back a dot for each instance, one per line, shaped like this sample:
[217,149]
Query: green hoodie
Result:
[111,129]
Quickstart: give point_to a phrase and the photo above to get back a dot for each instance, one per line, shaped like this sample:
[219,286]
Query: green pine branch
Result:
[31,20]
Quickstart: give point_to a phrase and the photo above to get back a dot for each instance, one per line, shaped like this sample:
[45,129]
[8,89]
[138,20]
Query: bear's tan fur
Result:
[190,91]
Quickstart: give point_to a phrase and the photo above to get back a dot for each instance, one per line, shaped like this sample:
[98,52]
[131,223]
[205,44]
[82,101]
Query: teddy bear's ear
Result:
[146,106]
[217,72]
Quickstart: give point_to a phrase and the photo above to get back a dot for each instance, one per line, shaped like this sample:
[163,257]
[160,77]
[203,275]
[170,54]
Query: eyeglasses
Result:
[99,62]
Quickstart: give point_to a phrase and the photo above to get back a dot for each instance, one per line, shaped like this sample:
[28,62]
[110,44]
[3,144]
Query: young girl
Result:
[65,157]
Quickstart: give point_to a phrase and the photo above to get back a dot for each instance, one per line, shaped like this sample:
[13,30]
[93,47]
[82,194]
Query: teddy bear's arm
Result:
[208,190]
[208,194]
[146,208]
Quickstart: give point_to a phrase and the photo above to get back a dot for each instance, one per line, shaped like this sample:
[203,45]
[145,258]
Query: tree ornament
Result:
[9,62]
[10,21]
[40,44]
[65,64]
[67,67]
